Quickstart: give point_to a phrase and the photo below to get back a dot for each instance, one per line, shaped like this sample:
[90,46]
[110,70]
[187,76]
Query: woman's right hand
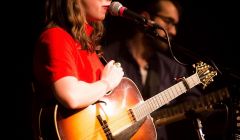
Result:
[112,74]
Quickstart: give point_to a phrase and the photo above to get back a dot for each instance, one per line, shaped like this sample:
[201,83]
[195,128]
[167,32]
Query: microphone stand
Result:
[198,126]
[196,122]
[151,31]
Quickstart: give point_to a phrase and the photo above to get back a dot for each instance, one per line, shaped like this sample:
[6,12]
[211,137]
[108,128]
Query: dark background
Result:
[208,28]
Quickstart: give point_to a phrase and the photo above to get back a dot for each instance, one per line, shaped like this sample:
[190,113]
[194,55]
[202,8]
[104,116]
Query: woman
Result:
[67,69]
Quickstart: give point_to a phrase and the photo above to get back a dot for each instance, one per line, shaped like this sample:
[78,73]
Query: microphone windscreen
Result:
[114,8]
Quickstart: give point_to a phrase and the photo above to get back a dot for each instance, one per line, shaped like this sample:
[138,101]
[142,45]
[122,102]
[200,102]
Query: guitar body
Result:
[109,118]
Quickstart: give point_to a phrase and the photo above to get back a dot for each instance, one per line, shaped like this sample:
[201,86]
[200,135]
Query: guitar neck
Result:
[201,104]
[143,109]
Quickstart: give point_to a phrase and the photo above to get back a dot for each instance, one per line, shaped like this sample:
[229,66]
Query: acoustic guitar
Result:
[120,115]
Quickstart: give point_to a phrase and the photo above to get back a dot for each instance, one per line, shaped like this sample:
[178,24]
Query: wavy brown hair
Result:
[69,15]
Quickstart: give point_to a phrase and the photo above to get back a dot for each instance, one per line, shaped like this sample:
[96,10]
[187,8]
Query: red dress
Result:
[58,54]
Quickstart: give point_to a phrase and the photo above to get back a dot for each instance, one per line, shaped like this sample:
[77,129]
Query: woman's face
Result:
[95,9]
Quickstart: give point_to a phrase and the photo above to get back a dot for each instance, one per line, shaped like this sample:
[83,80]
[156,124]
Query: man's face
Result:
[168,18]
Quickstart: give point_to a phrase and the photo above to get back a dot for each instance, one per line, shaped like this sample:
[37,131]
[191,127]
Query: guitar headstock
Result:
[205,73]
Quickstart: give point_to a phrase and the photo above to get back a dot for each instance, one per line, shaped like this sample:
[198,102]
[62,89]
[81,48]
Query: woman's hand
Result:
[112,74]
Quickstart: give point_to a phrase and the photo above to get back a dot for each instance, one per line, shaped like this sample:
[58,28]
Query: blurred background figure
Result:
[148,60]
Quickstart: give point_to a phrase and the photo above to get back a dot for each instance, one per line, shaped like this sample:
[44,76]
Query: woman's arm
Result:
[75,94]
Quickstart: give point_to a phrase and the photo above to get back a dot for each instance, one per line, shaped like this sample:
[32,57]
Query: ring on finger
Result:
[117,64]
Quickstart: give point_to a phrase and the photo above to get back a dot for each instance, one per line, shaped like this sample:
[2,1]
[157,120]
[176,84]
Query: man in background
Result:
[147,60]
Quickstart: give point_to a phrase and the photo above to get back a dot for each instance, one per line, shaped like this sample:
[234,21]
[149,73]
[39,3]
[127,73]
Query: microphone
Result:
[116,9]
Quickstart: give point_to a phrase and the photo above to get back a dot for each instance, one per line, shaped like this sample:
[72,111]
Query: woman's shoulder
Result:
[54,31]
[56,37]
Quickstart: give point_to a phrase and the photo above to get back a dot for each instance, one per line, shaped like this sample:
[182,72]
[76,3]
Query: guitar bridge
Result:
[130,111]
[105,127]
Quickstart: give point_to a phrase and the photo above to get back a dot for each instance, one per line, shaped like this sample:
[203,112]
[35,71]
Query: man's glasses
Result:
[167,20]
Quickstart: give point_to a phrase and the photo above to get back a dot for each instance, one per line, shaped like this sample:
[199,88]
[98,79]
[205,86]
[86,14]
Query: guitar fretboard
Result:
[162,98]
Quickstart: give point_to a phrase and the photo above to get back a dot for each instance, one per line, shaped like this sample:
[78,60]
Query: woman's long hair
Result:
[69,15]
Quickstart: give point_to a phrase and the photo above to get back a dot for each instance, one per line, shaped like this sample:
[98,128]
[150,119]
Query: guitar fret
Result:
[155,104]
[172,92]
[145,108]
[137,112]
[183,88]
[166,96]
[151,107]
[192,81]
[160,100]
[177,88]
